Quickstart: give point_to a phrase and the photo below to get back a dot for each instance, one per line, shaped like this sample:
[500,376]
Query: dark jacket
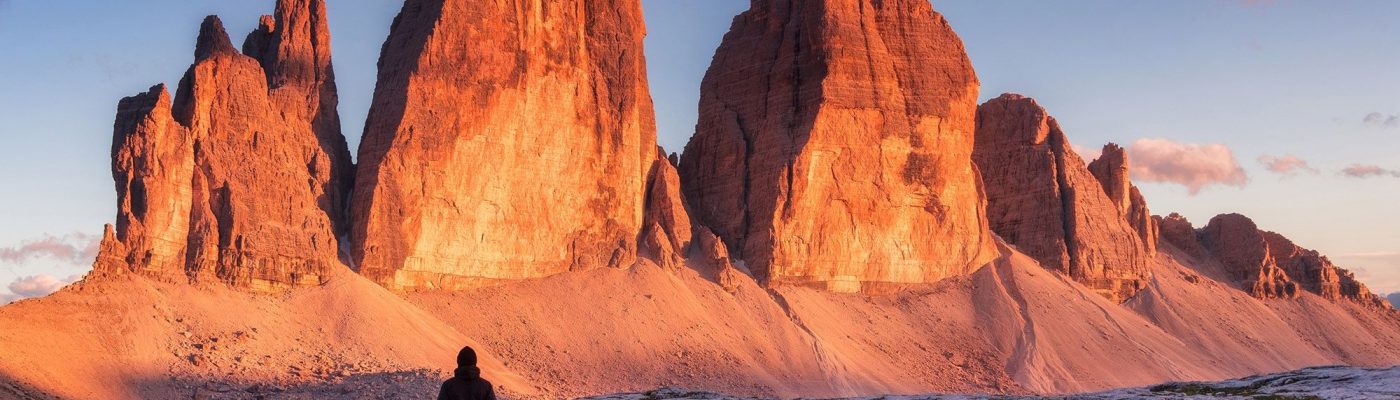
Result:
[466,384]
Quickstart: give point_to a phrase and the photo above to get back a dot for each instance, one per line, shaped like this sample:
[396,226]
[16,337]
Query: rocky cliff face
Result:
[1269,265]
[1045,201]
[507,140]
[195,174]
[833,145]
[1111,169]
[1244,252]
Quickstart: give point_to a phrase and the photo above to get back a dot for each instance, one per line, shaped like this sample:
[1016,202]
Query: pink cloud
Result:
[1368,171]
[1086,153]
[75,248]
[1287,165]
[1194,166]
[37,286]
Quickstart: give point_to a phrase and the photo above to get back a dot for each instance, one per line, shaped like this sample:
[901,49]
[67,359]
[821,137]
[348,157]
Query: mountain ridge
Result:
[845,222]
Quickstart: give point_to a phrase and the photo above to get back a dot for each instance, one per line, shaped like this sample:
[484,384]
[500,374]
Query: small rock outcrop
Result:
[1269,265]
[1178,232]
[833,145]
[1111,169]
[1244,252]
[506,140]
[713,260]
[195,174]
[1044,200]
[666,228]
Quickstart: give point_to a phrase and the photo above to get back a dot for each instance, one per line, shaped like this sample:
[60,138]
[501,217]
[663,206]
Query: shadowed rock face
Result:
[235,179]
[507,140]
[666,228]
[833,145]
[1269,265]
[1045,201]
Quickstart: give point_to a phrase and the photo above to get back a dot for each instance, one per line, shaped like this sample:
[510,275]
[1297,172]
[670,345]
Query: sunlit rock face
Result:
[833,145]
[1269,265]
[1244,252]
[241,176]
[1111,169]
[507,140]
[1043,199]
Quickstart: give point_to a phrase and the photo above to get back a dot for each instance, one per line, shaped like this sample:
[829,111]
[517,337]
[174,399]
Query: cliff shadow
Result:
[405,385]
[11,388]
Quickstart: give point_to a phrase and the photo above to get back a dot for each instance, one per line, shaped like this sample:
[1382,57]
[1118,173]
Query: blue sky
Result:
[1258,77]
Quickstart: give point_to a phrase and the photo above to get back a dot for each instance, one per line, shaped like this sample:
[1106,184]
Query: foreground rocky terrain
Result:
[1339,383]
[846,222]
[1009,328]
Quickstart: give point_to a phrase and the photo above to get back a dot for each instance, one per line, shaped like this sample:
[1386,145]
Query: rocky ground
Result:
[1332,383]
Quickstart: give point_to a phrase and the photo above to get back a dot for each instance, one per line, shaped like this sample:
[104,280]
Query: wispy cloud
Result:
[1363,171]
[1286,165]
[1381,120]
[1194,166]
[35,286]
[74,248]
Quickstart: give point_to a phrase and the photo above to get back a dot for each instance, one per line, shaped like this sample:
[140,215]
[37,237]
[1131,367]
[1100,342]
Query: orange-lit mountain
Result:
[833,146]
[846,221]
[241,177]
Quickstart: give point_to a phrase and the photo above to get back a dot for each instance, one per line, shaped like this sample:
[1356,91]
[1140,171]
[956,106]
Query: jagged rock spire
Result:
[231,180]
[1112,170]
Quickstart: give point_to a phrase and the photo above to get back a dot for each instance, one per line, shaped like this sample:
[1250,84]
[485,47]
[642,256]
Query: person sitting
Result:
[466,382]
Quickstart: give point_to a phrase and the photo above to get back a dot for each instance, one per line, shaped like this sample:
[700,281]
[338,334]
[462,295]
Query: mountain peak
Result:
[213,40]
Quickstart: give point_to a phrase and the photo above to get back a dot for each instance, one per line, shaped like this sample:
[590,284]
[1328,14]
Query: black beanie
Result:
[467,357]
